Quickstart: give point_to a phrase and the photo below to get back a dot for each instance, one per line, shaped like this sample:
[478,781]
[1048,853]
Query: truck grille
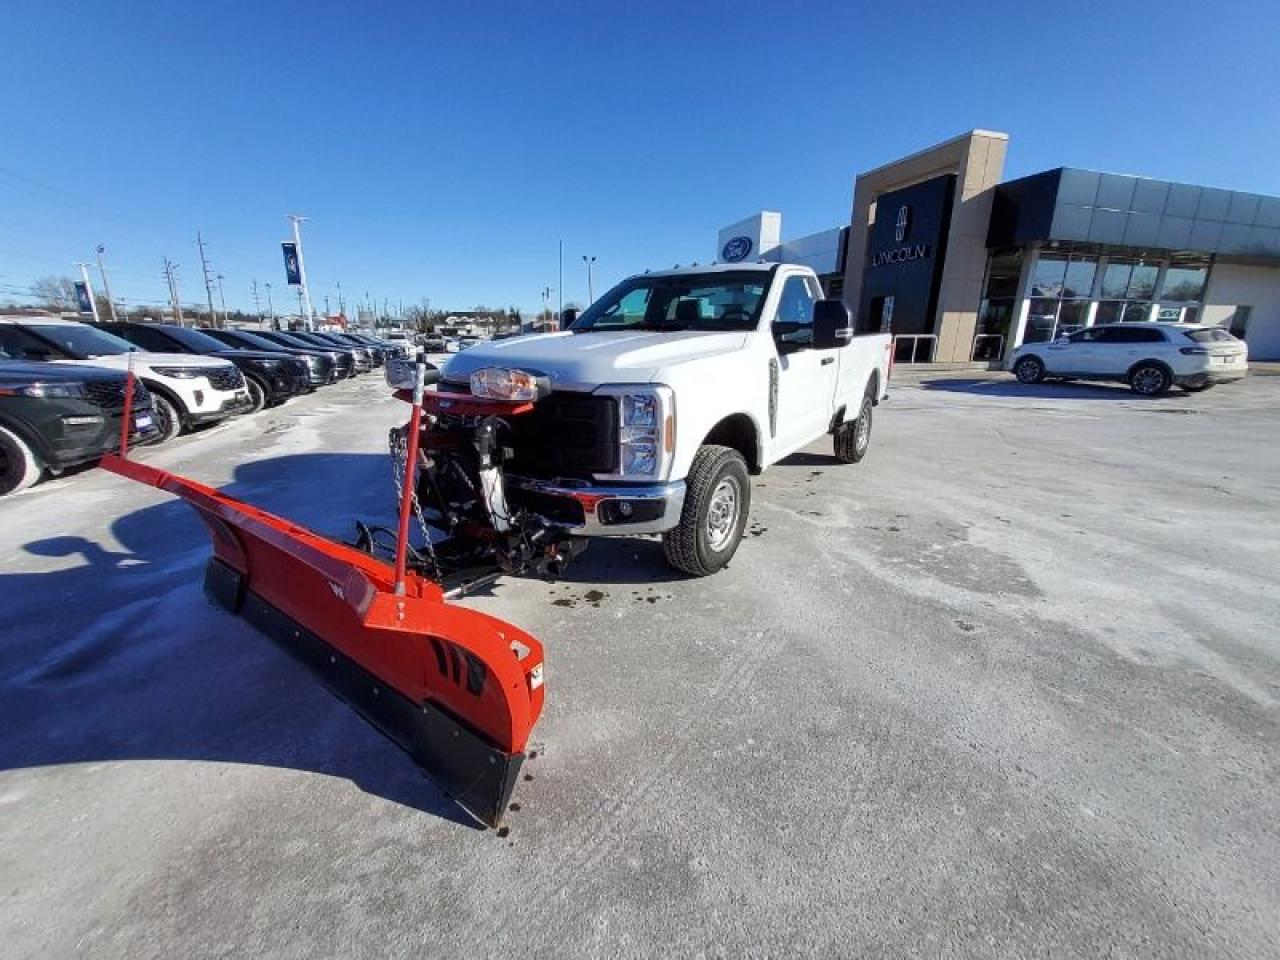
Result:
[566,435]
[109,394]
[225,378]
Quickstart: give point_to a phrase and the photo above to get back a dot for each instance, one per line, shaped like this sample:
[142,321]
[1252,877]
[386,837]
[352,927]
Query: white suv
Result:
[185,390]
[1150,357]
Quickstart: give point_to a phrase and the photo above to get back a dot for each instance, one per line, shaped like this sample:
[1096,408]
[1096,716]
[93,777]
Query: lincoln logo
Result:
[904,220]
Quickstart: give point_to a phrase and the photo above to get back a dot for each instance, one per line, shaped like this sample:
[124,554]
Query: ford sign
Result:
[738,248]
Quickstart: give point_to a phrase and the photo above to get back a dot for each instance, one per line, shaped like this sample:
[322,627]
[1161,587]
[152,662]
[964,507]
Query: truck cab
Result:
[674,388]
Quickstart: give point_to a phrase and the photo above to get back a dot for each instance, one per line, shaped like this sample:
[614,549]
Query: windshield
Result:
[695,301]
[195,340]
[243,338]
[80,341]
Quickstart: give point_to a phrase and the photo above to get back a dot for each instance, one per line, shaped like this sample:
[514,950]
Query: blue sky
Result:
[442,150]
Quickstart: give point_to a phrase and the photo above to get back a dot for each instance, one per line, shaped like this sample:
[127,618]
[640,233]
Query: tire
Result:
[19,465]
[717,500]
[257,393]
[167,416]
[1029,370]
[853,437]
[1150,379]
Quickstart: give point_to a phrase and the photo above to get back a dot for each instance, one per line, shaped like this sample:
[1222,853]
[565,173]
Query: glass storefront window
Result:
[1003,272]
[1184,283]
[1136,312]
[1042,318]
[1050,272]
[1072,316]
[994,321]
[1115,282]
[1142,282]
[1079,279]
[1109,311]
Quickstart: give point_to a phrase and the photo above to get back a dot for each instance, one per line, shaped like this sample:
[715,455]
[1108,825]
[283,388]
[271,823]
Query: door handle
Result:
[826,360]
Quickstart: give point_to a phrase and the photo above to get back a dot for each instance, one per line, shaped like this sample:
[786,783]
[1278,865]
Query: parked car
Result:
[344,357]
[323,366]
[1150,357]
[378,352]
[434,344]
[669,392]
[364,358]
[53,417]
[272,377]
[186,390]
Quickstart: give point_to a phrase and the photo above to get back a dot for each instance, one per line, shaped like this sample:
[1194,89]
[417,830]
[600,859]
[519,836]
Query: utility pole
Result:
[342,304]
[306,325]
[222,298]
[257,304]
[106,284]
[305,297]
[93,301]
[546,301]
[591,289]
[270,308]
[208,280]
[169,275]
[561,282]
[326,304]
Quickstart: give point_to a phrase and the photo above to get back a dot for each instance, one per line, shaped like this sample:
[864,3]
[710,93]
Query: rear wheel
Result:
[1029,370]
[168,419]
[19,466]
[257,393]
[716,501]
[853,437]
[1149,379]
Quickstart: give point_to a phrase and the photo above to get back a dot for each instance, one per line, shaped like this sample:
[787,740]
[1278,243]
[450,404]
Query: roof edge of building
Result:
[968,134]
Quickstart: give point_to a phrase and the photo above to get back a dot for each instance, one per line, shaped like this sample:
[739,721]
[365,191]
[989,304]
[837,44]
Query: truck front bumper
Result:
[587,510]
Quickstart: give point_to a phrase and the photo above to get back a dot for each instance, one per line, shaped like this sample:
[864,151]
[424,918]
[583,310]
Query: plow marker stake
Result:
[457,689]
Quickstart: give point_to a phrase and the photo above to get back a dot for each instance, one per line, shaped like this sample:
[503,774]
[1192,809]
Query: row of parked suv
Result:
[62,383]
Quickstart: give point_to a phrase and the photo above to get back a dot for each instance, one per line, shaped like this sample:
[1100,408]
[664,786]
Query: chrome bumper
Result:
[659,504]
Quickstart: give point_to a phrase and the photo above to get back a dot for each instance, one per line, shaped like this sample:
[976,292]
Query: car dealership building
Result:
[962,266]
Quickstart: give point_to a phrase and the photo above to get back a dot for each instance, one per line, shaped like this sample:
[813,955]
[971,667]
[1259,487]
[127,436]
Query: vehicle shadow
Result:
[117,655]
[1061,390]
[804,458]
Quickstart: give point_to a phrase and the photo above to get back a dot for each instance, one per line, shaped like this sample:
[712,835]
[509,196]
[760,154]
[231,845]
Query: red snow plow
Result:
[457,689]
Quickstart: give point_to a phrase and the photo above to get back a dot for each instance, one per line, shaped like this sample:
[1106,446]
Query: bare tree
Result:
[56,293]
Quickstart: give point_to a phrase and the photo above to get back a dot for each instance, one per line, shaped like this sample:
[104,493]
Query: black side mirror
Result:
[567,318]
[832,325]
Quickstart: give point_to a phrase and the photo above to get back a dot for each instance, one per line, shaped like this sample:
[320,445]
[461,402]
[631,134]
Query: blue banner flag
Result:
[292,269]
[82,297]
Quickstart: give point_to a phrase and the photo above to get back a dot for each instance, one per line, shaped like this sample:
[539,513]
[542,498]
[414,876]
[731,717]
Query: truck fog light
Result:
[624,508]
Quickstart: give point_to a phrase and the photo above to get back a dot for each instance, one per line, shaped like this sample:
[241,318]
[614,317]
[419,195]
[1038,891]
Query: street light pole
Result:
[93,301]
[591,289]
[271,309]
[169,268]
[302,271]
[106,284]
[208,281]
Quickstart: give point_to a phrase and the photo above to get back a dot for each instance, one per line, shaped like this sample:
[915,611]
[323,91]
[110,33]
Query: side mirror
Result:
[832,325]
[400,374]
[568,317]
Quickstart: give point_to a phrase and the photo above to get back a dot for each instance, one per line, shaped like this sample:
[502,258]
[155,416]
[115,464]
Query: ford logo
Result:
[738,248]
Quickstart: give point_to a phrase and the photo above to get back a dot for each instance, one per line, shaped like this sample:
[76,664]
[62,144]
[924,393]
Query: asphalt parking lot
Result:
[1008,687]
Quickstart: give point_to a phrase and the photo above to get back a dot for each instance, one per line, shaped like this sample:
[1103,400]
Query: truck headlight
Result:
[646,430]
[180,373]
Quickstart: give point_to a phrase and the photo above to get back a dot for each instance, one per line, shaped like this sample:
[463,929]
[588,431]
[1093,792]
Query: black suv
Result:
[271,376]
[53,417]
[327,366]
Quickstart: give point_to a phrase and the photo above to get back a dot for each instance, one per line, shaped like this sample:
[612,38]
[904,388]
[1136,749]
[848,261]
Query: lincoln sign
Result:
[911,251]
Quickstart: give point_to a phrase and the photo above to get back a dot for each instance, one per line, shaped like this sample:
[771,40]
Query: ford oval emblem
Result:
[738,248]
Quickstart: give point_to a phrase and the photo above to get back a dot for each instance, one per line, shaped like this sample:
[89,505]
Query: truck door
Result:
[806,377]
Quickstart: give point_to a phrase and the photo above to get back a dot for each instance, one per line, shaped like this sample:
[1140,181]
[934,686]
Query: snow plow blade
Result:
[458,690]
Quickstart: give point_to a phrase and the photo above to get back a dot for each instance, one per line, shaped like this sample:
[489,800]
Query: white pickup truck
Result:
[675,387]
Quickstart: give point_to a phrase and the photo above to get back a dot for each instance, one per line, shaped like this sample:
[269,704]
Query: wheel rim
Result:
[862,431]
[256,394]
[1148,380]
[1027,371]
[163,421]
[722,513]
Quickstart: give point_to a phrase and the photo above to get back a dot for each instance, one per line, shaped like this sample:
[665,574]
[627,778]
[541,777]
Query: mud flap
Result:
[456,689]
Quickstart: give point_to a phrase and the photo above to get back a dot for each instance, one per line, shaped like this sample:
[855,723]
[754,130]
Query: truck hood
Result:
[144,358]
[583,361]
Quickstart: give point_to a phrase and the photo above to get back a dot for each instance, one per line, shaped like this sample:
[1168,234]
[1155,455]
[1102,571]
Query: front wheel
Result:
[1149,379]
[1029,370]
[257,394]
[19,467]
[168,419]
[853,437]
[716,502]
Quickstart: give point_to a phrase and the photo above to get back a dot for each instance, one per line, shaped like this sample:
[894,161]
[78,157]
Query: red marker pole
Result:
[126,419]
[410,473]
